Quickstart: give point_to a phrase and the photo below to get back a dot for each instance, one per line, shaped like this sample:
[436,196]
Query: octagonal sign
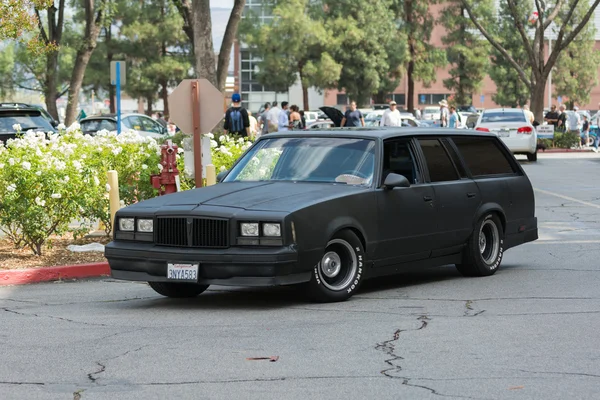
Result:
[211,106]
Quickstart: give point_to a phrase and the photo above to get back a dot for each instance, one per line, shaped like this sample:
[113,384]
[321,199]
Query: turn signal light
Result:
[526,129]
[482,129]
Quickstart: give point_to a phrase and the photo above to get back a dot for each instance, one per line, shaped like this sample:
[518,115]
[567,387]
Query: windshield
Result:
[96,125]
[27,120]
[329,160]
[503,116]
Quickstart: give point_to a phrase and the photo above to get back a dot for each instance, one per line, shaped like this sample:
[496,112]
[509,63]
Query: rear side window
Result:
[484,156]
[438,162]
[503,116]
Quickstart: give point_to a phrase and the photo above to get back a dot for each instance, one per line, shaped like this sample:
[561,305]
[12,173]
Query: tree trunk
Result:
[203,44]
[149,110]
[185,10]
[50,86]
[537,99]
[92,30]
[410,102]
[228,38]
[165,98]
[109,56]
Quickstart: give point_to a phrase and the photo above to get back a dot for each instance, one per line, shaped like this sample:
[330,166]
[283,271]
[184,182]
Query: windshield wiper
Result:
[30,128]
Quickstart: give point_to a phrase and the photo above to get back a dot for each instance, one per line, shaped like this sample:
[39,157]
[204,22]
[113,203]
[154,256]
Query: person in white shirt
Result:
[274,115]
[574,121]
[391,116]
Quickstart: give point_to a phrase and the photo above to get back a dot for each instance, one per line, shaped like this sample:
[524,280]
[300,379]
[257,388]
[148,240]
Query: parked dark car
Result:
[41,109]
[331,209]
[27,117]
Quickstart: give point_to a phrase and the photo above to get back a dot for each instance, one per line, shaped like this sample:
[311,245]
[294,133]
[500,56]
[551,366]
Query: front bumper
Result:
[235,266]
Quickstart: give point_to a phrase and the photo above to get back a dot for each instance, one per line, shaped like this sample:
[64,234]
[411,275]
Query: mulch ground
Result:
[56,255]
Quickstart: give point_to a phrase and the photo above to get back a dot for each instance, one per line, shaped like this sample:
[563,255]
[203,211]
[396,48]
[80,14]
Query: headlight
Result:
[249,229]
[126,224]
[272,230]
[145,225]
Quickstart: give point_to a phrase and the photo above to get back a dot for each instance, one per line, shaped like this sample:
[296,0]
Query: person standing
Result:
[236,118]
[283,118]
[574,122]
[295,118]
[444,113]
[552,116]
[418,114]
[528,114]
[585,132]
[353,117]
[562,118]
[453,118]
[264,120]
[161,120]
[253,125]
[391,116]
[274,117]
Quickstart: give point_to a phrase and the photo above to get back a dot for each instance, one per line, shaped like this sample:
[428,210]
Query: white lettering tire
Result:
[484,250]
[340,272]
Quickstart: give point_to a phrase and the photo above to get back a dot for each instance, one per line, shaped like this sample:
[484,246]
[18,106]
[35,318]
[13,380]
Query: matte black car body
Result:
[425,224]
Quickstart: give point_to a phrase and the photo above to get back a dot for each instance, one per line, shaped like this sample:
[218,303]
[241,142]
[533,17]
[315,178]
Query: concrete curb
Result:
[565,151]
[46,274]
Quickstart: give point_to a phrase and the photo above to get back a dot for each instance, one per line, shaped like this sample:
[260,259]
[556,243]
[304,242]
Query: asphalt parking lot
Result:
[528,332]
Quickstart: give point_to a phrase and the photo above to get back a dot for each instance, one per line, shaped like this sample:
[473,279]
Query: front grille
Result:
[210,233]
[204,232]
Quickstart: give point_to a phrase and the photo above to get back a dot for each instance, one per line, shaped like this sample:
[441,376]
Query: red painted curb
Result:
[45,274]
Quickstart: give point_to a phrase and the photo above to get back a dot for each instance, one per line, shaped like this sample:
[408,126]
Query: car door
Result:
[457,196]
[406,216]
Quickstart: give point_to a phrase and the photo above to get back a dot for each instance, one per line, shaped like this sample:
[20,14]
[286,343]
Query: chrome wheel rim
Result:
[338,266]
[489,242]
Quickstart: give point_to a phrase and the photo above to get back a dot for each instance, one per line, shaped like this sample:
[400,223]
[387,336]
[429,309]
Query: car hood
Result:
[334,115]
[256,196]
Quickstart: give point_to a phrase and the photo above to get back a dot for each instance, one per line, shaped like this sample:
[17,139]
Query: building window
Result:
[429,98]
[342,99]
[399,98]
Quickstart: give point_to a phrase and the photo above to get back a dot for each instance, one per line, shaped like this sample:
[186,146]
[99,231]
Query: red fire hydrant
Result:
[166,181]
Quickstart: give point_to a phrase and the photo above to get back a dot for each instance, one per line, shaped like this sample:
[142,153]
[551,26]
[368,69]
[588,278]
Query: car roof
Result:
[376,133]
[501,109]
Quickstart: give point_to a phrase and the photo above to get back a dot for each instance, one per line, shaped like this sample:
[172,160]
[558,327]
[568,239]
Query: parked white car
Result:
[431,113]
[140,123]
[513,128]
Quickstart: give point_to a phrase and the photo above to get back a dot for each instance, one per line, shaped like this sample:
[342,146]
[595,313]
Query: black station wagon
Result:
[331,209]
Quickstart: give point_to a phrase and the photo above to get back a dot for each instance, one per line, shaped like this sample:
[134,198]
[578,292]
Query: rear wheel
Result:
[532,157]
[485,248]
[340,272]
[178,290]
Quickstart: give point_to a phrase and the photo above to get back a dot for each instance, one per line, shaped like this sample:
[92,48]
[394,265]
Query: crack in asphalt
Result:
[277,379]
[389,348]
[561,373]
[102,363]
[350,311]
[52,317]
[77,394]
[469,309]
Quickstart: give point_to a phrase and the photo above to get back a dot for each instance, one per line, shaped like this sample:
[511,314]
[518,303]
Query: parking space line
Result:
[585,203]
[566,242]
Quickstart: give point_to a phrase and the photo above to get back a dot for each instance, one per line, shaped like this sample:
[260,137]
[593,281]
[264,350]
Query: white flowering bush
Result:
[226,150]
[55,179]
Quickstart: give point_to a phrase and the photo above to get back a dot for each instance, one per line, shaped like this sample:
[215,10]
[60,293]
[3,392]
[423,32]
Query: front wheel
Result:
[178,290]
[485,248]
[532,157]
[340,272]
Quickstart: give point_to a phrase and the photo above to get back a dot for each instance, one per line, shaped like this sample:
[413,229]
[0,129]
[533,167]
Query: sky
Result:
[221,3]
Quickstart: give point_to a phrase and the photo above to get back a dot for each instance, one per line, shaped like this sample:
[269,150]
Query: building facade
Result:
[254,94]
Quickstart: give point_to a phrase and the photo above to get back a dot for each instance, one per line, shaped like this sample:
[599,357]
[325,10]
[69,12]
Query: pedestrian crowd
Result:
[575,123]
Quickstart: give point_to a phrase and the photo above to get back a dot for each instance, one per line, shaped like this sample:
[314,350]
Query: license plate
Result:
[504,133]
[182,272]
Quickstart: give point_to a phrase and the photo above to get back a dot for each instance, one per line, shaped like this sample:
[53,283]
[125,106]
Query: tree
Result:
[147,27]
[361,35]
[7,65]
[93,15]
[576,69]
[292,46]
[198,27]
[467,54]
[547,14]
[424,59]
[17,23]
[510,89]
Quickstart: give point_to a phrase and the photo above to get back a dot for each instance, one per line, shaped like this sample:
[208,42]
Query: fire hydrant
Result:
[166,181]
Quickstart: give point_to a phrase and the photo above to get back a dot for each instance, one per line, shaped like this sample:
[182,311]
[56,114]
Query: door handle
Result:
[470,195]
[427,198]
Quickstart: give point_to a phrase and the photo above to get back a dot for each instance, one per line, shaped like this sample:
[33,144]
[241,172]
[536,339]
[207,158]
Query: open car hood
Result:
[334,115]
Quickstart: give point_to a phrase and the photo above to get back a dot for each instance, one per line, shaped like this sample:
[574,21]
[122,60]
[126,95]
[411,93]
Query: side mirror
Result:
[221,175]
[394,180]
[54,123]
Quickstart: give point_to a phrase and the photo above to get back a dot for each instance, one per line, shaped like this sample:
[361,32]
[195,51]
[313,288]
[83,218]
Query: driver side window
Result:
[398,158]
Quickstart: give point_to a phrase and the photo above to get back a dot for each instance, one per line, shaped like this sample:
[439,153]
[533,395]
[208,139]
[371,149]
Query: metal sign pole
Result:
[197,133]
[118,72]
